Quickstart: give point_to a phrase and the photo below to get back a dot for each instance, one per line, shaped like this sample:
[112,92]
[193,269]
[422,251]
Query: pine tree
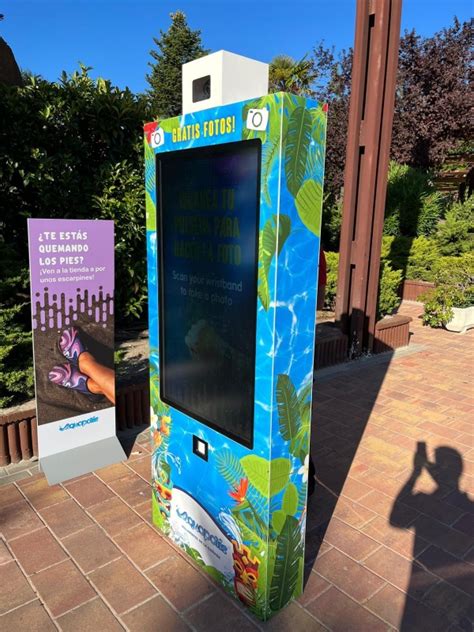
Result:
[177,46]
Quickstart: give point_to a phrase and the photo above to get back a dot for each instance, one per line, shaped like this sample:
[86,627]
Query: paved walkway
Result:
[387,547]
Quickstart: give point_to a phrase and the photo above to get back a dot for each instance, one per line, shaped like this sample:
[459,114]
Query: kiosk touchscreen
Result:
[234,196]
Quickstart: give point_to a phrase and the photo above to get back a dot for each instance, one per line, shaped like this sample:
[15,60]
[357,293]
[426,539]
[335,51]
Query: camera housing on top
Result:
[222,78]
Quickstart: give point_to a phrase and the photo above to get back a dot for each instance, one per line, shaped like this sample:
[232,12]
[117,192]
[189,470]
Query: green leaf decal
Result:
[263,288]
[290,500]
[267,246]
[308,203]
[287,563]
[284,229]
[168,125]
[278,520]
[297,144]
[150,212]
[257,470]
[288,408]
[280,475]
[270,152]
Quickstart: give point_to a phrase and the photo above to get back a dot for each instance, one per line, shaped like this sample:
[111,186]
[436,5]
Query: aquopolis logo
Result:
[217,542]
[79,424]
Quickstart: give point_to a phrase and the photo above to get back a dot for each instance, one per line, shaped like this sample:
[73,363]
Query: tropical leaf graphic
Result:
[257,470]
[270,152]
[263,288]
[168,125]
[284,230]
[266,251]
[290,500]
[308,204]
[278,520]
[279,475]
[298,140]
[228,466]
[286,569]
[288,407]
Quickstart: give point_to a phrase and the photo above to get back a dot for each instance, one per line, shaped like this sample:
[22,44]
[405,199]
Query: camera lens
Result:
[257,119]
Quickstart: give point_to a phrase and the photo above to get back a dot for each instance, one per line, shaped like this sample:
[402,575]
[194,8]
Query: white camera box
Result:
[222,78]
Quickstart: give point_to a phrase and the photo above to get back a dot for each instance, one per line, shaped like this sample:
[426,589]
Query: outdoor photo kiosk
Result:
[234,196]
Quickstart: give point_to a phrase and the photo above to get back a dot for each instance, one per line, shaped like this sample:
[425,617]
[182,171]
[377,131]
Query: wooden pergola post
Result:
[374,73]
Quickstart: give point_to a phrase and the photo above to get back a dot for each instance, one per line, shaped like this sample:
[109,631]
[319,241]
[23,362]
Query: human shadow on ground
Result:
[438,578]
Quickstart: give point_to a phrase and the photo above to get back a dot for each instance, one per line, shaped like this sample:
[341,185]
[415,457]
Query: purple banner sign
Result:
[72,306]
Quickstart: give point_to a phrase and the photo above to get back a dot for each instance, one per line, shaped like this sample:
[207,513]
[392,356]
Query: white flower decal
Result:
[304,469]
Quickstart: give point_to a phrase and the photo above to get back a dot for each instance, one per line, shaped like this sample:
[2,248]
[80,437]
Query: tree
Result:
[433,98]
[177,46]
[288,75]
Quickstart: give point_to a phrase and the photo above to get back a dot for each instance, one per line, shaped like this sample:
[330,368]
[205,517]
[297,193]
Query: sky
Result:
[115,36]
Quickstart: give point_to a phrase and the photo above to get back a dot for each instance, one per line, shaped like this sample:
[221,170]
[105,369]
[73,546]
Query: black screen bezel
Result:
[221,148]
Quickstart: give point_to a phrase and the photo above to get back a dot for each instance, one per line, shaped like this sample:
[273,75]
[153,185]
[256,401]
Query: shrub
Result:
[455,235]
[332,263]
[331,224]
[388,299]
[454,279]
[422,259]
[412,207]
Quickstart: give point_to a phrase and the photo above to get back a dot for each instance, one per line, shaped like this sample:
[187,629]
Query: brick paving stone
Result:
[145,511]
[132,489]
[314,586]
[401,541]
[65,518]
[9,494]
[451,540]
[14,588]
[93,616]
[41,495]
[406,575]
[349,576]
[89,491]
[341,614]
[179,582]
[91,548]
[122,585]
[18,519]
[465,524]
[352,513]
[37,550]
[114,516]
[448,567]
[210,615]
[349,540]
[398,609]
[382,504]
[32,617]
[144,546]
[142,467]
[62,587]
[112,472]
[154,614]
[457,606]
[5,555]
[293,617]
[354,490]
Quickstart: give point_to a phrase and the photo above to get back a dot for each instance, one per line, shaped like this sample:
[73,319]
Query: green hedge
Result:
[67,149]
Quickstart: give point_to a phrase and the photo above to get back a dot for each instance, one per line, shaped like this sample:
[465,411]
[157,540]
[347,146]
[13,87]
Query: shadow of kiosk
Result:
[234,196]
